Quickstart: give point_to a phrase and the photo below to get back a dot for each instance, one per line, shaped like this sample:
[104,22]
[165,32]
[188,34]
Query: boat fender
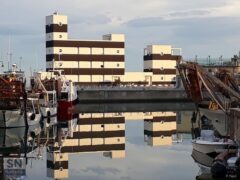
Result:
[32,117]
[48,117]
[218,169]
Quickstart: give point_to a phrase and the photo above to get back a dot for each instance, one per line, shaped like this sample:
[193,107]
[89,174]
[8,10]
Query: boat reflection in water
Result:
[15,146]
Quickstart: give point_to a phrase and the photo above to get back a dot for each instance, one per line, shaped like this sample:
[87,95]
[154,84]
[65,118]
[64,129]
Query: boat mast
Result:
[9,53]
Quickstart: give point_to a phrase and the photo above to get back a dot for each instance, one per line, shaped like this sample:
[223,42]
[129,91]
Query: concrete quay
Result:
[131,94]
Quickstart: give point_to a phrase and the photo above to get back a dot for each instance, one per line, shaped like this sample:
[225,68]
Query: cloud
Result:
[102,171]
[189,13]
[16,29]
[191,25]
[90,20]
[145,22]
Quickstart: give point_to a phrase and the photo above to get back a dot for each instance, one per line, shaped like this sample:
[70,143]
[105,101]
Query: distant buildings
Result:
[94,62]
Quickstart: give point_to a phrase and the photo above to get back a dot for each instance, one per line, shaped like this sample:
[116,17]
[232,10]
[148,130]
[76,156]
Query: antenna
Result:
[9,52]
[20,63]
[36,58]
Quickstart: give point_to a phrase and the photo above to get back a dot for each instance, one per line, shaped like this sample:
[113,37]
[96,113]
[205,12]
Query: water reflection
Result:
[159,129]
[51,146]
[15,146]
[91,133]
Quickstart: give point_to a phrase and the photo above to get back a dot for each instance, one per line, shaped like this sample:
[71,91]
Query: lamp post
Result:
[2,65]
[196,58]
[221,60]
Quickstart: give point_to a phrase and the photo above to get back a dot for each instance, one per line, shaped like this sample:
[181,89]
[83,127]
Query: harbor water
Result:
[129,144]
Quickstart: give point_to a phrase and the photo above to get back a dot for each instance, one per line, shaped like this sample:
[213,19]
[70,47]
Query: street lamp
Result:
[2,65]
[196,58]
[221,60]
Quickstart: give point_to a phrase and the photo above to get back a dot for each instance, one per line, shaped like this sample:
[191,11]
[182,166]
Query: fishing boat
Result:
[213,93]
[207,143]
[67,100]
[16,108]
[218,119]
[47,95]
[58,95]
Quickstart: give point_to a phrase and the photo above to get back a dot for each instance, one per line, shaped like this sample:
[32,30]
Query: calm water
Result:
[123,145]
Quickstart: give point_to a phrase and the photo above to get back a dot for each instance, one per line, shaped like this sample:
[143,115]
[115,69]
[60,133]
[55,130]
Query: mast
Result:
[9,53]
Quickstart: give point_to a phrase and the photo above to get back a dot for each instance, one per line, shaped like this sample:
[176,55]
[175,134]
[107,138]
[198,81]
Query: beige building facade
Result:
[94,62]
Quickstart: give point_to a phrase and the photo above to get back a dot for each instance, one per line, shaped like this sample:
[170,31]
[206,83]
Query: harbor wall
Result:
[131,95]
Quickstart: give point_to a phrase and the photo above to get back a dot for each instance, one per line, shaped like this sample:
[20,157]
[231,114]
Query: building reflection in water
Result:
[90,133]
[159,129]
[93,133]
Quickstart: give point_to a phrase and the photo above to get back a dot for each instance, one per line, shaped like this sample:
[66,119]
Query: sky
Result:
[199,27]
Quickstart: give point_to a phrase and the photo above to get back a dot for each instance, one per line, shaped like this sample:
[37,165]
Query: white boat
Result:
[67,100]
[48,107]
[208,143]
[218,119]
[59,95]
[204,161]
[47,97]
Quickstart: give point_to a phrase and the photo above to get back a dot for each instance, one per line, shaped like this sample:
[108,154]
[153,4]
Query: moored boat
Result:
[207,143]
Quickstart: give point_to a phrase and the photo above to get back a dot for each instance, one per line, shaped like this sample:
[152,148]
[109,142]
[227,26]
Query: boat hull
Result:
[207,147]
[65,110]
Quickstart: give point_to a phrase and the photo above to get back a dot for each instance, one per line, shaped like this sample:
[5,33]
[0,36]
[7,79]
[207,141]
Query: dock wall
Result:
[131,95]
